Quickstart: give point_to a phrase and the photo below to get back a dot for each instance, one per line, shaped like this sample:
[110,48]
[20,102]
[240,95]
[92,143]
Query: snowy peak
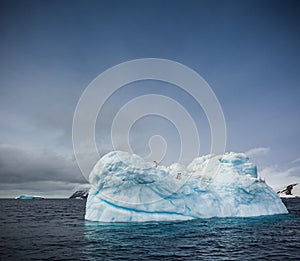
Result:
[290,191]
[79,195]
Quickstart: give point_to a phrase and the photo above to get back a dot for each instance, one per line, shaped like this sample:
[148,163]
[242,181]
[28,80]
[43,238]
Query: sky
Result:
[248,52]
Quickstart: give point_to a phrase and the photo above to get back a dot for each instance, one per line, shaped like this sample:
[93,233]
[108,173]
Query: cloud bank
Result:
[28,169]
[259,151]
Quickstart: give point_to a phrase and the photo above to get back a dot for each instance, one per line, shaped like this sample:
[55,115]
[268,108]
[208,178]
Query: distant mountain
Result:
[29,197]
[290,191]
[80,194]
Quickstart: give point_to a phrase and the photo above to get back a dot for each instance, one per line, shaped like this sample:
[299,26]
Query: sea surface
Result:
[56,230]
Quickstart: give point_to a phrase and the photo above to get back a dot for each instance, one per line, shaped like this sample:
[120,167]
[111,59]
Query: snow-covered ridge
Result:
[125,188]
[79,194]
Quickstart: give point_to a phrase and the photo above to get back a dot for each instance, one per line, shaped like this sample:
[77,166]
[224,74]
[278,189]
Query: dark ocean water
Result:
[56,230]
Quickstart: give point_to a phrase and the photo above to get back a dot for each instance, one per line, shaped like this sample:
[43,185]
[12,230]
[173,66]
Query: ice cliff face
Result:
[125,188]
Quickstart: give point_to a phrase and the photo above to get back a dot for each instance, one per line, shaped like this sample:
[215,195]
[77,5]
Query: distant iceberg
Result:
[125,188]
[29,197]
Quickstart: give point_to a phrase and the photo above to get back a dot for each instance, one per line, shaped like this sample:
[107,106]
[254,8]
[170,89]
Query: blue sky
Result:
[248,51]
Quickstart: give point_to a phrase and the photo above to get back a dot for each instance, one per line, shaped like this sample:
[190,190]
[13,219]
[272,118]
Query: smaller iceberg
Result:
[125,188]
[29,197]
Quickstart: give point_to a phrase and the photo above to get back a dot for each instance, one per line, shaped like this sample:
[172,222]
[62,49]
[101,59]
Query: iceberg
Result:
[125,188]
[28,197]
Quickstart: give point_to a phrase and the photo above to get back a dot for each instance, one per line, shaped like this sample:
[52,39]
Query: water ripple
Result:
[56,230]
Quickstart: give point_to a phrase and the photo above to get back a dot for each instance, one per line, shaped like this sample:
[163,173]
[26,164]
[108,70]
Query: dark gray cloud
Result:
[27,166]
[52,189]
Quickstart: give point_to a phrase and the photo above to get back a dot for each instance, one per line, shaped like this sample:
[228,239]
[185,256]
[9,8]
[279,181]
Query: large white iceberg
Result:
[125,188]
